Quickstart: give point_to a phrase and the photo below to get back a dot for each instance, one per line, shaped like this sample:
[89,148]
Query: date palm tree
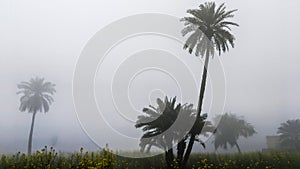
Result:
[36,96]
[229,130]
[157,120]
[290,134]
[208,30]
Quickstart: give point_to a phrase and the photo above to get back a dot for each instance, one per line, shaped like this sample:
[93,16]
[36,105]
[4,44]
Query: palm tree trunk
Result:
[180,151]
[31,133]
[199,109]
[169,158]
[238,147]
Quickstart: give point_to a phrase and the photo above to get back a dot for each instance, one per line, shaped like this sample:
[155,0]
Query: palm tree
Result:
[161,118]
[209,31]
[36,96]
[290,134]
[230,129]
[157,121]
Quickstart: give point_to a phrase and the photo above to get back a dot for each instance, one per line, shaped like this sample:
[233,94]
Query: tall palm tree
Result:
[36,97]
[290,134]
[209,31]
[230,129]
[161,118]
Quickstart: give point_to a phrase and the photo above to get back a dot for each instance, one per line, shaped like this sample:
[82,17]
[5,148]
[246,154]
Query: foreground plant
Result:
[170,125]
[105,159]
[50,159]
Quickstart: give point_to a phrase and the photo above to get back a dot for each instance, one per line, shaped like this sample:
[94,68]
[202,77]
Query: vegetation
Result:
[105,159]
[36,96]
[50,159]
[209,31]
[290,135]
[170,126]
[230,128]
[158,132]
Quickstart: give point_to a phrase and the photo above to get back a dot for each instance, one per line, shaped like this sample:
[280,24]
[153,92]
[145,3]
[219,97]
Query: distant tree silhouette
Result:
[36,96]
[290,135]
[209,31]
[160,119]
[230,129]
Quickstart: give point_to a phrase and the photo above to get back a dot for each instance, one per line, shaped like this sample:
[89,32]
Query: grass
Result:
[104,159]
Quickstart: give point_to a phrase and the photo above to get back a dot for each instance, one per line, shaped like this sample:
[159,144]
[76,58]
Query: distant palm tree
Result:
[36,96]
[290,134]
[230,129]
[160,119]
[209,31]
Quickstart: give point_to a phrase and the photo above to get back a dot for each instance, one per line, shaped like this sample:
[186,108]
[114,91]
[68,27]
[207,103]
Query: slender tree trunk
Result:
[180,151]
[238,147]
[199,109]
[169,158]
[31,133]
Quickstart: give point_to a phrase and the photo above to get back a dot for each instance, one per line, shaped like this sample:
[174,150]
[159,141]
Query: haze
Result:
[45,38]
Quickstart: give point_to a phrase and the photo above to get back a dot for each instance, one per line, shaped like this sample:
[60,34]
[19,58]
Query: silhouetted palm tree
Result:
[157,121]
[290,134]
[230,129]
[162,118]
[209,31]
[36,96]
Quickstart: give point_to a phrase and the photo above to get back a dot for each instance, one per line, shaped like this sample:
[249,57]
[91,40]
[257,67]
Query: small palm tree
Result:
[290,134]
[36,97]
[157,120]
[209,31]
[230,129]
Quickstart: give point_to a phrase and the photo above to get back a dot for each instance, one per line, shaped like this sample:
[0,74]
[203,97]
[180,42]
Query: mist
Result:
[45,38]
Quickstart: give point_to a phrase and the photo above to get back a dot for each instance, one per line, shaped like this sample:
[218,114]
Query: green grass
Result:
[50,159]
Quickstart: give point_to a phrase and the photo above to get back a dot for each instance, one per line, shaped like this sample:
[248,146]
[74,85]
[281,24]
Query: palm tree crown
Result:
[159,119]
[170,124]
[209,29]
[290,134]
[36,95]
[156,121]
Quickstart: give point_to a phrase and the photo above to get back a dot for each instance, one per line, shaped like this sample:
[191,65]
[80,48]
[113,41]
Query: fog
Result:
[45,38]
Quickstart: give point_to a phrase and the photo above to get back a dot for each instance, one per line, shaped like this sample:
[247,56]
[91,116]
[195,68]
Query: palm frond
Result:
[36,95]
[212,22]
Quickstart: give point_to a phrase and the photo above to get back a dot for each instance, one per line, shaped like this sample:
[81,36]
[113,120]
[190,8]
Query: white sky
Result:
[45,38]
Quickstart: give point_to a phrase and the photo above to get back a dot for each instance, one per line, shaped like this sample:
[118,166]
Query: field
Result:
[50,159]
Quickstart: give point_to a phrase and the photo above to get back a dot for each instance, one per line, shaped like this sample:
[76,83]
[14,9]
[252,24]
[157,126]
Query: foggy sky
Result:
[45,38]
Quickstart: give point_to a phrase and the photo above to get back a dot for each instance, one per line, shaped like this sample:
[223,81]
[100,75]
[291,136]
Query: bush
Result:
[50,159]
[105,159]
